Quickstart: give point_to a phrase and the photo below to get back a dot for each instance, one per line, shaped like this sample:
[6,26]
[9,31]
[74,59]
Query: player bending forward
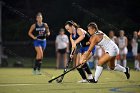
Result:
[110,48]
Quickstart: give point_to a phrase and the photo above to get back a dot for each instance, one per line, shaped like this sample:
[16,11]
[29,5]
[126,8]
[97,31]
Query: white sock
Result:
[115,61]
[124,62]
[119,68]
[135,64]
[90,76]
[98,72]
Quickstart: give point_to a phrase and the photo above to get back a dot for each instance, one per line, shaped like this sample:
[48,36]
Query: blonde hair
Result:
[93,25]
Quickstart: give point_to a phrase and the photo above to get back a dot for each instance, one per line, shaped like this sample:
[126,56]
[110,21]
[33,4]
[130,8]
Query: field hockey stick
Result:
[64,73]
[70,60]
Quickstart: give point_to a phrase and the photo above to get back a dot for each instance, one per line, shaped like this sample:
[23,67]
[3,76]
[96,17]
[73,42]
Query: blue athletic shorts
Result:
[41,43]
[84,49]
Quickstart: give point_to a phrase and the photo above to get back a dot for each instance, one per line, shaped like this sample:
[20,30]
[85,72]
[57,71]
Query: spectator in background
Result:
[114,39]
[112,36]
[122,44]
[134,45]
[138,40]
[62,47]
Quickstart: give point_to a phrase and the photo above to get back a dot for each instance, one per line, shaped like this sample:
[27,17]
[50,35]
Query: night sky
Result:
[108,14]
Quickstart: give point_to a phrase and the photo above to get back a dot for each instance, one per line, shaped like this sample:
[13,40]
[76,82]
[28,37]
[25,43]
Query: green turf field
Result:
[21,80]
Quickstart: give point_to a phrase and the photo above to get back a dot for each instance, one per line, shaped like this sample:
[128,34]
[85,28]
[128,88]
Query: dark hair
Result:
[39,14]
[93,25]
[111,31]
[61,30]
[71,23]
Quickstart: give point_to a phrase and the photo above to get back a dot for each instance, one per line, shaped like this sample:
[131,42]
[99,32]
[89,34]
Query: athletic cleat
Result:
[90,76]
[92,81]
[127,73]
[83,81]
[38,72]
[137,69]
[34,72]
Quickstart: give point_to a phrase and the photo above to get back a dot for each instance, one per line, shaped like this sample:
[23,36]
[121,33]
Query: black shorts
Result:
[62,51]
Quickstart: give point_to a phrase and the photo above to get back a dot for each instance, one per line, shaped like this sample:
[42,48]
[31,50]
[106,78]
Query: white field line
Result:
[5,85]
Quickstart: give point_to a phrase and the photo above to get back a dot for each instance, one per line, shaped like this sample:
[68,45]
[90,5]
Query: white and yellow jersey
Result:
[134,43]
[108,45]
[134,46]
[121,41]
[121,44]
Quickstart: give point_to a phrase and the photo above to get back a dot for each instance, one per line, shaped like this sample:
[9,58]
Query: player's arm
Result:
[67,44]
[72,42]
[30,32]
[73,47]
[126,42]
[86,55]
[47,29]
[81,35]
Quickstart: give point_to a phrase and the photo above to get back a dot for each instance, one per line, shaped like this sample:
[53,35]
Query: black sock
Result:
[82,73]
[86,68]
[35,65]
[39,65]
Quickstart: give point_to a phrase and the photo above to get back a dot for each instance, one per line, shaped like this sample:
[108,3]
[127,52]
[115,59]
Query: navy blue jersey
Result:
[84,42]
[40,31]
[75,36]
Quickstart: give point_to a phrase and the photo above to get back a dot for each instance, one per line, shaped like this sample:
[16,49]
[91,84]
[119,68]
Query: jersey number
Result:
[41,33]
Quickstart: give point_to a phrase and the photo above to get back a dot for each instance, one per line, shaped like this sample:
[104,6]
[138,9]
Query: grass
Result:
[21,80]
[48,62]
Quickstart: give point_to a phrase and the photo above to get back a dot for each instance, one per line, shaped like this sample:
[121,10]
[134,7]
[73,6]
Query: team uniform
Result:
[121,43]
[84,45]
[134,46]
[108,45]
[40,33]
[135,52]
[112,49]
